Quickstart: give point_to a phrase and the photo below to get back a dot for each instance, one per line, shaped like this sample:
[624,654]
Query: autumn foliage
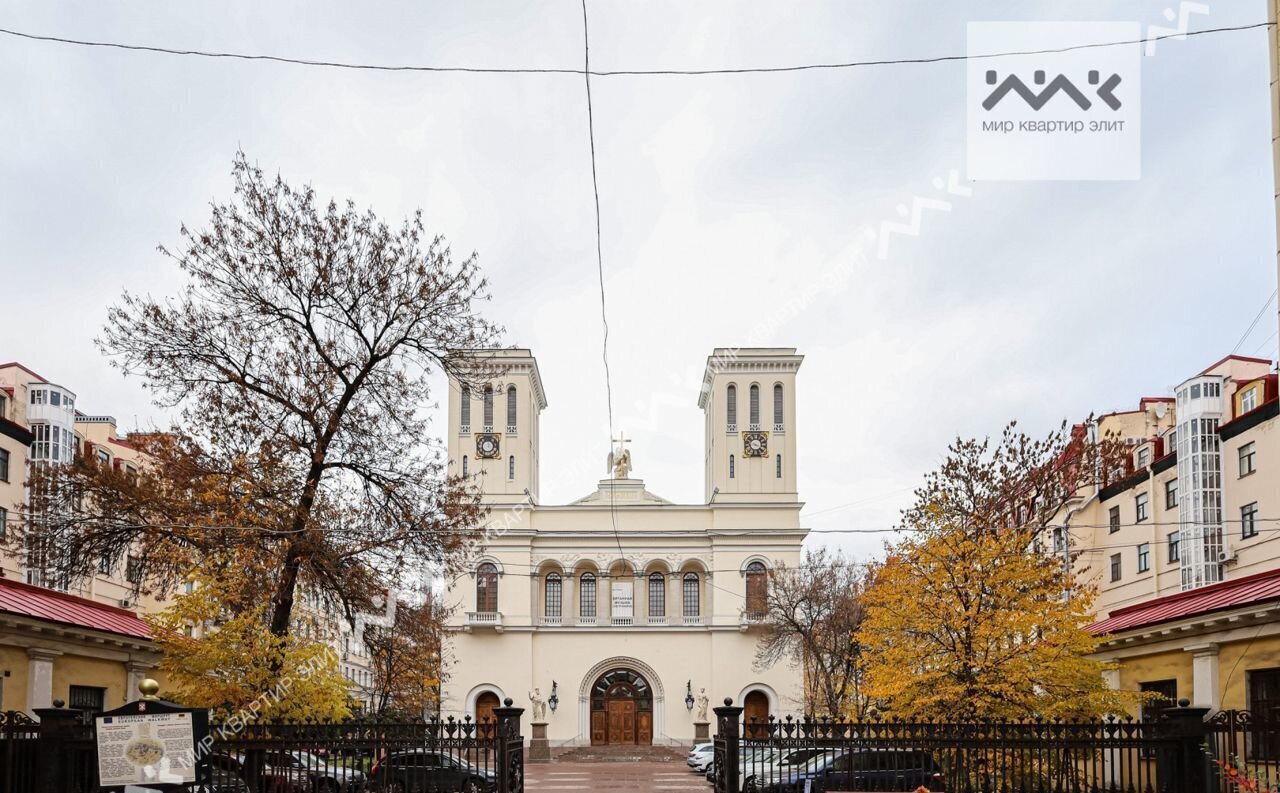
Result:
[967,618]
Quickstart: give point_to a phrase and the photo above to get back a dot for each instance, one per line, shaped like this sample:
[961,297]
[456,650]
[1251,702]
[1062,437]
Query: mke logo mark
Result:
[1013,84]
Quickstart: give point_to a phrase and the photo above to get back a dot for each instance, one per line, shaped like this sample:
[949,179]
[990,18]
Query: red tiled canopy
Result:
[52,606]
[1257,588]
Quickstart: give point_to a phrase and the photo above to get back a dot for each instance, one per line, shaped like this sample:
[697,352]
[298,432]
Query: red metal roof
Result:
[1256,588]
[53,606]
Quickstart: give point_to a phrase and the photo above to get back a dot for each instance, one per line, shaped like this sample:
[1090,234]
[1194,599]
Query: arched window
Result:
[587,596]
[755,404]
[551,604]
[487,587]
[731,404]
[511,468]
[757,590]
[465,468]
[464,407]
[731,466]
[488,406]
[777,465]
[657,595]
[777,405]
[692,596]
[511,408]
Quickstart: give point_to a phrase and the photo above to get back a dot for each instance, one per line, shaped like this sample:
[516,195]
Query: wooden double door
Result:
[621,710]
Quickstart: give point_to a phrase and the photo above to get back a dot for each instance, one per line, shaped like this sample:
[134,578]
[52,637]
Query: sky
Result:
[732,210]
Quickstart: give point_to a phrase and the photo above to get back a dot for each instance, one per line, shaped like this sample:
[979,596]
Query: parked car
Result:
[225,775]
[306,773]
[700,756]
[423,771]
[872,769]
[774,766]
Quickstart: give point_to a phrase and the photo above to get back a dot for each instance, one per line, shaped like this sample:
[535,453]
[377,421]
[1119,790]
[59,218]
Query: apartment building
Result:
[79,642]
[1183,541]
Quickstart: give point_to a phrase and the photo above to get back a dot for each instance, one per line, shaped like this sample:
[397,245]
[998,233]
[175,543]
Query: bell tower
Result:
[493,423]
[749,400]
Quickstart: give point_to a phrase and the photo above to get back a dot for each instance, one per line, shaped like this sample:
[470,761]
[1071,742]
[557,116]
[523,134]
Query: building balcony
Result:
[483,619]
[751,619]
[548,621]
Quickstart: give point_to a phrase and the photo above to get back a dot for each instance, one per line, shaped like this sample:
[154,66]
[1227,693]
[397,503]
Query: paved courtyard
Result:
[631,776]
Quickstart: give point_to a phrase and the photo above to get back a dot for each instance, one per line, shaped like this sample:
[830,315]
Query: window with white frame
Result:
[1249,400]
[587,595]
[692,595]
[1140,506]
[552,601]
[657,595]
[1144,557]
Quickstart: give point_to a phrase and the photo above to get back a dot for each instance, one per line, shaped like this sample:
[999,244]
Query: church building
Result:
[621,618]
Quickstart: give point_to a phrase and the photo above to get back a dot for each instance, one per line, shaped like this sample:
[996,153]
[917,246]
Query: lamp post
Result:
[553,700]
[688,695]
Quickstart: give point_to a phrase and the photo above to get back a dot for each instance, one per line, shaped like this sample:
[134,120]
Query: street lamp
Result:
[553,700]
[688,695]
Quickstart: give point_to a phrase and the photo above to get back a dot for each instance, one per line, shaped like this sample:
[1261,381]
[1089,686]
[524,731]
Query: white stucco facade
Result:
[524,616]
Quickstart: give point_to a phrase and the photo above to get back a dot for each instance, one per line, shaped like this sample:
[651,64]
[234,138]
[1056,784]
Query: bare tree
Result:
[408,658]
[297,355]
[814,612]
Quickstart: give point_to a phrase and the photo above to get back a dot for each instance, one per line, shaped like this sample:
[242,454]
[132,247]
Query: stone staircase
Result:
[619,754]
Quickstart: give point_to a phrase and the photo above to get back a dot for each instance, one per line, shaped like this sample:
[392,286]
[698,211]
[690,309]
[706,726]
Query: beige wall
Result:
[1089,515]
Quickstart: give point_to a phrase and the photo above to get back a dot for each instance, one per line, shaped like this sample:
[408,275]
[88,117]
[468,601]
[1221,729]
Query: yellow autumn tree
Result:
[967,618]
[220,653]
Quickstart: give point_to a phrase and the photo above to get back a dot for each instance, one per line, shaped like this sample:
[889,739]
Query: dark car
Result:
[870,769]
[428,772]
[303,772]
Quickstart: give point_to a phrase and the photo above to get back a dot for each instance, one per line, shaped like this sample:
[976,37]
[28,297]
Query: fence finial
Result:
[149,689]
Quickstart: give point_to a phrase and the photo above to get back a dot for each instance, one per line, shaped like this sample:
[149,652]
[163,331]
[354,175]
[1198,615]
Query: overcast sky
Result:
[721,197]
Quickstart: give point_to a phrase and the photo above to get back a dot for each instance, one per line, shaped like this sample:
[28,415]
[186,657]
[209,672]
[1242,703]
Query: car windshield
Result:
[819,762]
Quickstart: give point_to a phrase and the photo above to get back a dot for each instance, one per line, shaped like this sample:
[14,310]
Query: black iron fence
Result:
[59,755]
[1179,752]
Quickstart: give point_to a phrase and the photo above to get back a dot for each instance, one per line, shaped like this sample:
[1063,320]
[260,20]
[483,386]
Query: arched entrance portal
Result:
[755,714]
[621,709]
[486,722]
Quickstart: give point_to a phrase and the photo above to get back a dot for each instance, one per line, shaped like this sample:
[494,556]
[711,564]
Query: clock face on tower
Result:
[487,446]
[755,444]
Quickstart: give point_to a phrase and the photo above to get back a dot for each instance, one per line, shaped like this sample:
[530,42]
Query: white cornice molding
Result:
[776,360]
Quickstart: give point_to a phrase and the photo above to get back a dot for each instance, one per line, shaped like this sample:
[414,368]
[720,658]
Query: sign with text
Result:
[1053,101]
[147,748]
[623,600]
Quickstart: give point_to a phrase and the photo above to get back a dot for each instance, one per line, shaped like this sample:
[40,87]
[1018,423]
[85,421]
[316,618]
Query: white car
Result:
[700,757]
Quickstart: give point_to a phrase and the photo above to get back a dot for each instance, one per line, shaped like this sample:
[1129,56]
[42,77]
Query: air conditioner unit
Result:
[1227,555]
[127,603]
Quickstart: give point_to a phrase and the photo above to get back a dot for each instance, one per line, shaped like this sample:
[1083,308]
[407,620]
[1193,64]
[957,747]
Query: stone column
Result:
[40,677]
[1206,691]
[135,673]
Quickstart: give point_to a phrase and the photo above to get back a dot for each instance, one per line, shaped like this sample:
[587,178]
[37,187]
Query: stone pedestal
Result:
[701,732]
[539,749]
